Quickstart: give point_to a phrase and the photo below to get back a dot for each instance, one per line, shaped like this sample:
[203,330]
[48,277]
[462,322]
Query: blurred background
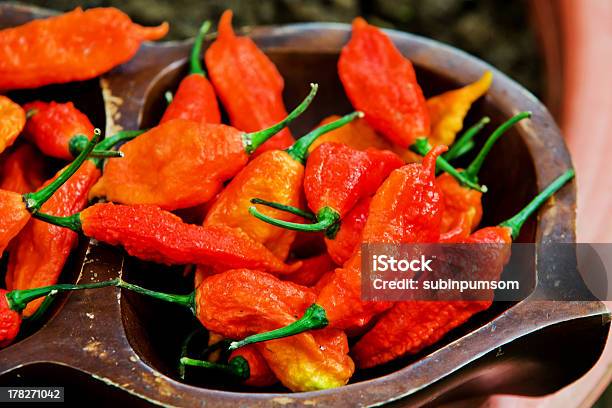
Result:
[560,50]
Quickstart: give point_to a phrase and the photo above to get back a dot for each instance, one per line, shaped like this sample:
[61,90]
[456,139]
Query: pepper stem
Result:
[19,299]
[287,208]
[187,301]
[34,201]
[237,367]
[314,317]
[421,146]
[78,143]
[252,141]
[471,173]
[465,143]
[300,148]
[327,220]
[195,58]
[72,222]
[515,223]
[168,97]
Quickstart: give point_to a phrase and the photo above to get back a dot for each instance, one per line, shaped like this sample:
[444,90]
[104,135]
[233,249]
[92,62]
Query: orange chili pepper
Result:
[12,121]
[260,374]
[22,170]
[248,84]
[311,270]
[73,46]
[348,238]
[215,154]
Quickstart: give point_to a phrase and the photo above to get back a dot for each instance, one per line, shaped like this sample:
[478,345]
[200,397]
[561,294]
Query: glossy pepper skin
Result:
[447,110]
[22,170]
[73,46]
[152,234]
[311,270]
[381,82]
[12,121]
[248,84]
[216,153]
[462,206]
[408,327]
[195,98]
[260,374]
[10,321]
[348,237]
[51,126]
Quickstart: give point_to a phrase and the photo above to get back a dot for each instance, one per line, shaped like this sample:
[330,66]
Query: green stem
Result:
[72,222]
[327,220]
[19,299]
[187,301]
[422,147]
[465,143]
[41,311]
[195,58]
[287,208]
[236,367]
[121,136]
[471,173]
[314,317]
[34,201]
[252,141]
[300,148]
[168,97]
[515,223]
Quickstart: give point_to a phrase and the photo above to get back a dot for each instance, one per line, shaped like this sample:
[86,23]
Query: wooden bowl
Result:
[118,347]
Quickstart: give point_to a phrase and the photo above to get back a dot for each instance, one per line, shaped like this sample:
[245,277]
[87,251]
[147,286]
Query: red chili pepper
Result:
[336,177]
[215,154]
[73,46]
[248,84]
[382,83]
[52,126]
[13,302]
[195,98]
[348,238]
[12,121]
[407,208]
[260,374]
[311,270]
[408,327]
[22,170]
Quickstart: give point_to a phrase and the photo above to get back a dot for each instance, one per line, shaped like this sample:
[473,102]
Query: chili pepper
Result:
[73,46]
[248,84]
[260,374]
[406,208]
[447,110]
[13,302]
[348,238]
[410,326]
[38,254]
[16,209]
[381,82]
[216,154]
[359,135]
[152,234]
[240,302]
[195,98]
[12,121]
[336,177]
[311,270]
[23,170]
[274,175]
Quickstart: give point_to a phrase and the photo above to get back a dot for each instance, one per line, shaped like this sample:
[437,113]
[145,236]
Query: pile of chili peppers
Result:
[280,217]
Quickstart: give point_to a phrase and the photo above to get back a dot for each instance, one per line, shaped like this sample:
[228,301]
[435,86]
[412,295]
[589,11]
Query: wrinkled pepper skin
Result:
[311,270]
[154,169]
[338,176]
[13,217]
[74,46]
[12,121]
[23,170]
[51,126]
[260,374]
[408,327]
[275,176]
[40,251]
[407,208]
[10,321]
[312,361]
[348,237]
[359,135]
[447,111]
[462,205]
[381,82]
[194,100]
[152,234]
[248,84]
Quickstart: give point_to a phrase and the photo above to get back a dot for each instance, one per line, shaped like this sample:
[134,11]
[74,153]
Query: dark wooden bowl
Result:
[118,347]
